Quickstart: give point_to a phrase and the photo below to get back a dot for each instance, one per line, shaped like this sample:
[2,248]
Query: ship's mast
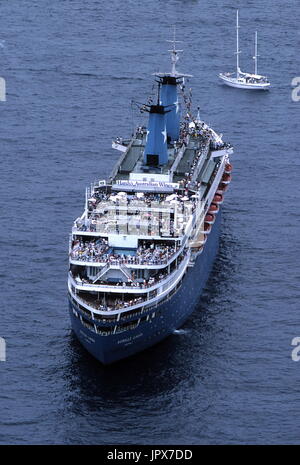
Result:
[237,45]
[174,53]
[174,58]
[255,54]
[168,91]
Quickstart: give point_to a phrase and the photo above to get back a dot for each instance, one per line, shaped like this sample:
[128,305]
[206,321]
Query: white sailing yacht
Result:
[245,80]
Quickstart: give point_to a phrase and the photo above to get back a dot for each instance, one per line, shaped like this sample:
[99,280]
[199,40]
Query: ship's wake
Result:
[180,331]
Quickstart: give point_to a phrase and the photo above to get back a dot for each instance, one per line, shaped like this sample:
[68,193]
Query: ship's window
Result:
[131,313]
[139,274]
[105,317]
[127,326]
[124,325]
[86,312]
[103,330]
[88,324]
[92,271]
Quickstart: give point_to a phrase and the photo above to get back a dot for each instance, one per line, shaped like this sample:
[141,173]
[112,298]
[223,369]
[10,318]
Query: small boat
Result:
[210,218]
[245,80]
[207,228]
[226,178]
[228,168]
[218,199]
[214,208]
[222,187]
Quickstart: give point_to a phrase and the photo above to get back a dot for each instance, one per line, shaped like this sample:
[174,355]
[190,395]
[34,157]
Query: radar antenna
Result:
[174,58]
[174,52]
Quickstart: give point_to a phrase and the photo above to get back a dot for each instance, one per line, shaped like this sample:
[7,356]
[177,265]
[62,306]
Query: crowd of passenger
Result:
[154,222]
[187,181]
[201,131]
[194,163]
[118,304]
[127,199]
[197,129]
[99,251]
[144,284]
[151,226]
[253,80]
[89,251]
[114,305]
[220,145]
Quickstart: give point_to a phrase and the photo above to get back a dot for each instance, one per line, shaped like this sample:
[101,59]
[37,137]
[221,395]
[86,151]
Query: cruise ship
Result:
[142,250]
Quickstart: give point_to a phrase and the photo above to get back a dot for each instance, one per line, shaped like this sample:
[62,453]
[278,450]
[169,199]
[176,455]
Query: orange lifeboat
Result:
[226,178]
[228,168]
[218,199]
[207,228]
[213,209]
[209,218]
[222,187]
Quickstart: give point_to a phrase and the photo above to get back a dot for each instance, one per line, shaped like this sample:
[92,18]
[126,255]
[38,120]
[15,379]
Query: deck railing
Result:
[125,288]
[118,262]
[160,294]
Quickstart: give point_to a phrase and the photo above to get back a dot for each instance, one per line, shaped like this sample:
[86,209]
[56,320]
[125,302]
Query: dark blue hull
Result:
[169,316]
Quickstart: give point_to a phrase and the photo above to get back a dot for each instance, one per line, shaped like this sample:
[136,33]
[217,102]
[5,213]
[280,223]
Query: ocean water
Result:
[71,70]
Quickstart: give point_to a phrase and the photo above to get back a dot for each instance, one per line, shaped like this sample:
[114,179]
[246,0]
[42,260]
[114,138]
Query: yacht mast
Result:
[237,45]
[255,54]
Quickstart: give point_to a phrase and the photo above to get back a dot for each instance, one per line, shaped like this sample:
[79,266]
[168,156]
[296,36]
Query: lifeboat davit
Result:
[213,209]
[203,240]
[226,178]
[228,168]
[197,251]
[218,199]
[210,218]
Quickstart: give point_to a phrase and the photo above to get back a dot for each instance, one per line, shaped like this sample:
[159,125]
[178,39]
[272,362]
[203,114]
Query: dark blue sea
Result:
[71,69]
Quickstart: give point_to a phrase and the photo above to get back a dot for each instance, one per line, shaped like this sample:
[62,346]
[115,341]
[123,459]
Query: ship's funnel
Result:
[169,97]
[156,152]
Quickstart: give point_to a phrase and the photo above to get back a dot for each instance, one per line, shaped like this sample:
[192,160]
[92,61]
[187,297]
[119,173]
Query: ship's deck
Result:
[129,214]
[180,159]
[153,201]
